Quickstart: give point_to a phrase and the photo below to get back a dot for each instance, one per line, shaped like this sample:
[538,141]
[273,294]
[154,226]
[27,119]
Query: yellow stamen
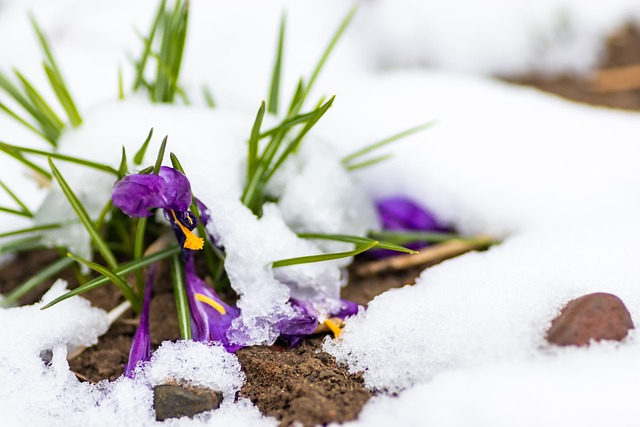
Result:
[333,327]
[192,241]
[205,299]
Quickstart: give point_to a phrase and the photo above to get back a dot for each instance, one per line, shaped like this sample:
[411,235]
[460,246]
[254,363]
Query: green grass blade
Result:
[377,145]
[297,99]
[19,291]
[99,166]
[24,122]
[18,156]
[124,165]
[208,96]
[160,157]
[120,84]
[276,76]
[98,241]
[121,271]
[16,199]
[403,237]
[323,257]
[180,293]
[288,123]
[139,157]
[141,64]
[122,284]
[45,113]
[323,59]
[252,157]
[21,245]
[44,44]
[295,143]
[30,230]
[64,97]
[357,240]
[14,212]
[365,164]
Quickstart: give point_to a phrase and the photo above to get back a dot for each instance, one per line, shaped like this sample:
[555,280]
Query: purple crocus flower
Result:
[403,214]
[141,343]
[305,321]
[137,194]
[210,316]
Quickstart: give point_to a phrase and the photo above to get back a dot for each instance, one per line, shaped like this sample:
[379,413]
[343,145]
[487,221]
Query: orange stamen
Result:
[192,241]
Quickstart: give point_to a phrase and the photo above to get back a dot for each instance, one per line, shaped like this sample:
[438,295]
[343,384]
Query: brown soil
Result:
[302,384]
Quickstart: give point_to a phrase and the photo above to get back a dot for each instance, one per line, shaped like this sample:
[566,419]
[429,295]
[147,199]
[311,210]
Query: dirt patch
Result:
[302,384]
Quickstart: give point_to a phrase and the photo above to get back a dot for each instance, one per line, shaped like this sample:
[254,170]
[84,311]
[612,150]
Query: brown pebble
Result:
[597,317]
[174,401]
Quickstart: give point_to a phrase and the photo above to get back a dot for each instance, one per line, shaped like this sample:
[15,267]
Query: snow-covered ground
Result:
[464,346]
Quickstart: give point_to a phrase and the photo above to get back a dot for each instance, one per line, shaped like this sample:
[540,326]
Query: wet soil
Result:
[303,385]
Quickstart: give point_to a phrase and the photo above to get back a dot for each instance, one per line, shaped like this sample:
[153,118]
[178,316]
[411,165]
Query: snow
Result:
[465,344]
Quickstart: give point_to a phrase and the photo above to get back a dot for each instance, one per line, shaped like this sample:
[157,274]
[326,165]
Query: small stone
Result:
[597,317]
[174,401]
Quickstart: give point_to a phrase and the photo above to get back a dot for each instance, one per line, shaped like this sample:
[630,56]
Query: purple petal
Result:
[137,194]
[207,323]
[177,190]
[141,343]
[347,308]
[401,213]
[304,322]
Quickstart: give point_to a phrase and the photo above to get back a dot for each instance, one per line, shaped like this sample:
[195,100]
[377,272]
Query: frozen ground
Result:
[464,346]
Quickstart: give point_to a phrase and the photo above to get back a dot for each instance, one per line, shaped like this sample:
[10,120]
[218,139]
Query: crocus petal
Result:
[305,321]
[177,190]
[401,213]
[137,194]
[207,323]
[347,308]
[141,343]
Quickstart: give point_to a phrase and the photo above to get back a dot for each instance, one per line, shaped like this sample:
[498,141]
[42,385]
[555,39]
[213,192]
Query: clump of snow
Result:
[211,145]
[197,364]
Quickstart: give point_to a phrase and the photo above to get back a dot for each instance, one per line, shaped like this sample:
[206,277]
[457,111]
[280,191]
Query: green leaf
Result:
[141,64]
[122,284]
[377,145]
[35,280]
[323,59]
[180,293]
[64,97]
[208,96]
[24,122]
[139,157]
[365,164]
[357,240]
[323,257]
[16,199]
[252,157]
[121,271]
[30,230]
[21,245]
[18,156]
[293,145]
[45,115]
[160,156]
[14,212]
[124,165]
[100,244]
[98,166]
[403,237]
[276,76]
[120,84]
